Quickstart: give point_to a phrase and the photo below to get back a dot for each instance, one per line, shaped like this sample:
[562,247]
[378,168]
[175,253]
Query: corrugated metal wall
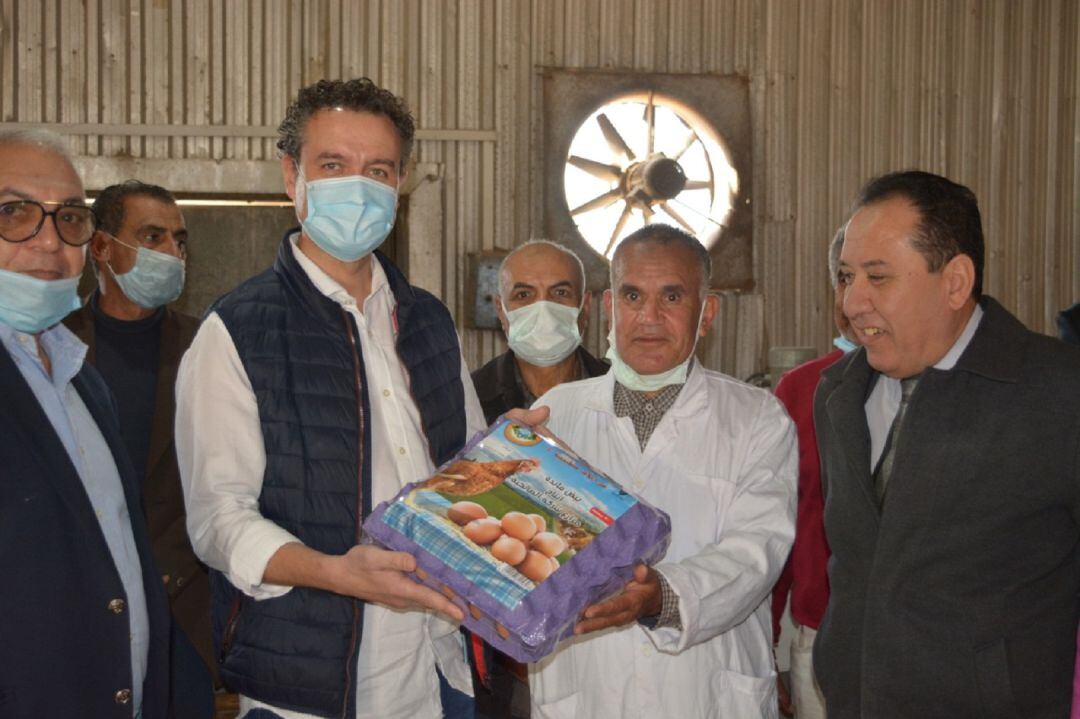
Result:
[984,91]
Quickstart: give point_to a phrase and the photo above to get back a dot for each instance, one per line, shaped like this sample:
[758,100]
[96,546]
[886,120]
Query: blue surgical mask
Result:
[156,278]
[348,217]
[31,305]
[543,333]
[844,343]
[629,378]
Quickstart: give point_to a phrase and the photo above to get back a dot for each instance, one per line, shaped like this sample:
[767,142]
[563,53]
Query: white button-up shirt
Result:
[884,400]
[220,450]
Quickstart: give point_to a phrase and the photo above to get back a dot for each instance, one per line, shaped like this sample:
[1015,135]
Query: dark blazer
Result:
[960,598]
[1068,321]
[497,387]
[64,645]
[163,496]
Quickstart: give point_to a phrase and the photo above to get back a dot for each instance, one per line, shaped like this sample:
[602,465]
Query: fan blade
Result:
[678,218]
[686,145]
[614,139]
[650,118]
[699,213]
[697,185]
[598,202]
[610,173]
[618,228]
[647,214]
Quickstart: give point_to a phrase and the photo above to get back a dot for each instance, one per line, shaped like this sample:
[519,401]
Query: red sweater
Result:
[804,575]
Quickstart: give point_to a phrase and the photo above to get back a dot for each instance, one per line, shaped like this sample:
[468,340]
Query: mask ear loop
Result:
[117,240]
[697,327]
[108,265]
[613,333]
[300,186]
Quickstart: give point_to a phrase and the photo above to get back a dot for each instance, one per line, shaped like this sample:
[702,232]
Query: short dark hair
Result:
[661,234]
[109,205]
[359,94]
[949,224]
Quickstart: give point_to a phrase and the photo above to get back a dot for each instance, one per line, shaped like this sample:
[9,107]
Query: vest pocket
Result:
[995,687]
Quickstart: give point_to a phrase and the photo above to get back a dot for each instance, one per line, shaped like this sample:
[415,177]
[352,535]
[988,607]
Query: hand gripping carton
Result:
[522,534]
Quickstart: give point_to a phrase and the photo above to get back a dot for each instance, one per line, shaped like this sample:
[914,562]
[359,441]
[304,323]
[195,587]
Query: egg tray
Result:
[547,613]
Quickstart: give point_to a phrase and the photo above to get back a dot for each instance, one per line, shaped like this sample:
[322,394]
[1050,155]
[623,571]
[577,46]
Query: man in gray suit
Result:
[950,447]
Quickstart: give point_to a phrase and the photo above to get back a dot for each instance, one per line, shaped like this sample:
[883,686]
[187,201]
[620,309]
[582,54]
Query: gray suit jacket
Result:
[960,599]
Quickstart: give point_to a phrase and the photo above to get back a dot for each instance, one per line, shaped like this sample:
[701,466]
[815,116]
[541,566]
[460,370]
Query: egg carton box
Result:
[522,534]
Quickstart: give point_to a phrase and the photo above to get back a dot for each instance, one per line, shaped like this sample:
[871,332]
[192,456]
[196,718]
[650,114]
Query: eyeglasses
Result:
[22,220]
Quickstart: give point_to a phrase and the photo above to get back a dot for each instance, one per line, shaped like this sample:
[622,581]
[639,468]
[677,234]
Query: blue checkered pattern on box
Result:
[455,551]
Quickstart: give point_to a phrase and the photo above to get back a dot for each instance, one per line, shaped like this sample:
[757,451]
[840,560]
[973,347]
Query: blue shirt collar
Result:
[66,351]
[953,355]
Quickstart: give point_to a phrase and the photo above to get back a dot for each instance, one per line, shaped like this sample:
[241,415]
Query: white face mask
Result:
[32,305]
[156,278]
[543,333]
[629,378]
[844,343]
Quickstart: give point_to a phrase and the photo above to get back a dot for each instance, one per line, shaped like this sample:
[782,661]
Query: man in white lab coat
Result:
[690,637]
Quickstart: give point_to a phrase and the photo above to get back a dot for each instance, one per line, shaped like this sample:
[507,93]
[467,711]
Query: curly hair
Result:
[360,94]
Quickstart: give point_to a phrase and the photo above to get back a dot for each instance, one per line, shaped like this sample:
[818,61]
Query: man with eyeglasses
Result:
[83,615]
[135,340]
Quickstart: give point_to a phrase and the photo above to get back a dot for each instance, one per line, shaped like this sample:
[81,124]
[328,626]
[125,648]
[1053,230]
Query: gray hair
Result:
[835,247]
[661,234]
[35,136]
[504,274]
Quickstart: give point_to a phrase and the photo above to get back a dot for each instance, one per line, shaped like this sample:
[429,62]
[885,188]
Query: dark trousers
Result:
[192,685]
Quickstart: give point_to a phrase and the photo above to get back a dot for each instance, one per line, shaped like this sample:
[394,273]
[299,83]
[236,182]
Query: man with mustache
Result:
[950,449]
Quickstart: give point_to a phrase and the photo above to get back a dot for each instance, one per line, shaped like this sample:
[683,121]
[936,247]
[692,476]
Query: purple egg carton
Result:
[522,618]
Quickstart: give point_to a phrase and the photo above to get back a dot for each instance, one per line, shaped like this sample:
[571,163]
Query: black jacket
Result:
[64,637]
[1068,321]
[163,497]
[960,598]
[497,387]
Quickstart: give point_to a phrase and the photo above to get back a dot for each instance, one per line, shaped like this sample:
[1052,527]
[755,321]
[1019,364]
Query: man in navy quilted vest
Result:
[311,393]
